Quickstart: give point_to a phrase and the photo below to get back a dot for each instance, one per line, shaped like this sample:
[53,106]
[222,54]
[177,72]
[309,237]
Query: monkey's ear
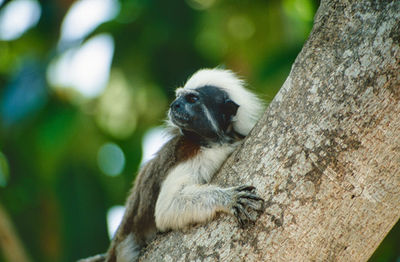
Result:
[230,107]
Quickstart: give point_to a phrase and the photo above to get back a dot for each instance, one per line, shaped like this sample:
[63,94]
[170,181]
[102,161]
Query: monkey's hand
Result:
[245,204]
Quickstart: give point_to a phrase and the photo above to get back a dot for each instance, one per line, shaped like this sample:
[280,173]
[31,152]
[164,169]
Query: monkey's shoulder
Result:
[177,150]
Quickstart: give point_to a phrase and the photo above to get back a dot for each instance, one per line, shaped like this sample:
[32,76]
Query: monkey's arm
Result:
[183,201]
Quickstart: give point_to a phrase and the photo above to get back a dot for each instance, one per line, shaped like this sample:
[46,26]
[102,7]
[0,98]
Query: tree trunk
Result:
[325,155]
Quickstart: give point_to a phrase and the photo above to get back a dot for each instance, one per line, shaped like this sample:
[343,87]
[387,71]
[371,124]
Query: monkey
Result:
[212,113]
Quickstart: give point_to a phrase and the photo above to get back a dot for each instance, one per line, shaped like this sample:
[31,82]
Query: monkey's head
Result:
[215,106]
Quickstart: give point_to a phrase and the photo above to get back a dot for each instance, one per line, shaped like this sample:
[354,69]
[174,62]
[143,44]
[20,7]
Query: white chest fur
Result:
[199,169]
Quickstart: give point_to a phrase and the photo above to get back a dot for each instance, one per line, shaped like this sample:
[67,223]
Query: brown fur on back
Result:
[140,206]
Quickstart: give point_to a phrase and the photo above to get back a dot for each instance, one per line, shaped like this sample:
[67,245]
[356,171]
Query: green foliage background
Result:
[50,182]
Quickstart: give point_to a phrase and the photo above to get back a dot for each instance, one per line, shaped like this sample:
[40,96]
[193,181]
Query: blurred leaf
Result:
[25,95]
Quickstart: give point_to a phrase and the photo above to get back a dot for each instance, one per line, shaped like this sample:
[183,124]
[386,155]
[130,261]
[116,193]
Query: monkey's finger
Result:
[236,213]
[254,205]
[251,196]
[242,210]
[245,188]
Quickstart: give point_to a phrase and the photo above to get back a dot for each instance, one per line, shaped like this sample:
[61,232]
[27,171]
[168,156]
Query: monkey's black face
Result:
[206,111]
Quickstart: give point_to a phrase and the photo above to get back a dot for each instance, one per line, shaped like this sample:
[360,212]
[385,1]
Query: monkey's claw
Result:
[246,204]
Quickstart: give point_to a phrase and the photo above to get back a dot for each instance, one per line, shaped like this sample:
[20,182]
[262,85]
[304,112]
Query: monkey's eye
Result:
[191,98]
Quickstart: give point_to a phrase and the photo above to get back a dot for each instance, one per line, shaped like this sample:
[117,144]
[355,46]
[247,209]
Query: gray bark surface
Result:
[325,155]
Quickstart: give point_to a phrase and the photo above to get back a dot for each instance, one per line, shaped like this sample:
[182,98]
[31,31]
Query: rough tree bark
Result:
[326,154]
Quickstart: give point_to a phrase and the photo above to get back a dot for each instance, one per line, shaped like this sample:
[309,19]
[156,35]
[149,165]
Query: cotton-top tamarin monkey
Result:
[211,114]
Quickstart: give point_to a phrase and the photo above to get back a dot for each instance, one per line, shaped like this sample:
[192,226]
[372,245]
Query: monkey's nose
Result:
[176,105]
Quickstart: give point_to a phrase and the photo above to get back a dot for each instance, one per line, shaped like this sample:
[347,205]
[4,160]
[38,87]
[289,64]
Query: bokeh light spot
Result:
[299,9]
[200,4]
[241,27]
[114,217]
[111,159]
[116,112]
[85,69]
[153,140]
[18,16]
[84,16]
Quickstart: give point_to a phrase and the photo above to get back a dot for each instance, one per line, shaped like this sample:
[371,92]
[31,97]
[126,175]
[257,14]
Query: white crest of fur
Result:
[250,106]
